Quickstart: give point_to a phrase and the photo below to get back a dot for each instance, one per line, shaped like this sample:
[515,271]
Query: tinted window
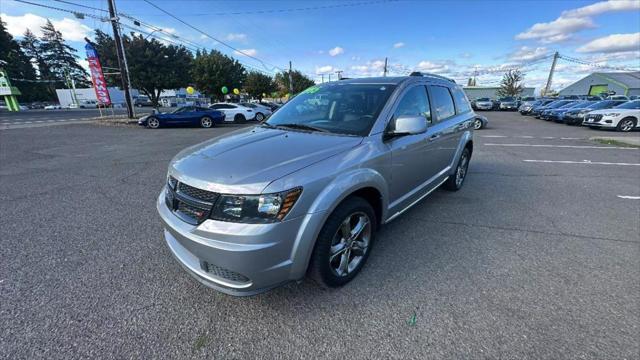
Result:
[414,102]
[629,105]
[462,104]
[215,106]
[442,102]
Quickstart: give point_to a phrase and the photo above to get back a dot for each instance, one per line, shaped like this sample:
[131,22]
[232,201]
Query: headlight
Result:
[612,114]
[257,209]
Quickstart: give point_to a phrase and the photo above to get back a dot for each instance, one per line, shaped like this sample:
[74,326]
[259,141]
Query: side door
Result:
[413,167]
[448,123]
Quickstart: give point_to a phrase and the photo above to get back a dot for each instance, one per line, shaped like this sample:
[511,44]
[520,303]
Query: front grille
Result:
[596,117]
[172,182]
[223,273]
[190,213]
[198,194]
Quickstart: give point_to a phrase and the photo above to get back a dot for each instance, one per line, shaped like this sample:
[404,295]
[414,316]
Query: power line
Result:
[75,13]
[264,63]
[81,5]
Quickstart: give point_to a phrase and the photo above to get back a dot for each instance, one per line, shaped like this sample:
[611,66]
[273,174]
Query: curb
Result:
[631,141]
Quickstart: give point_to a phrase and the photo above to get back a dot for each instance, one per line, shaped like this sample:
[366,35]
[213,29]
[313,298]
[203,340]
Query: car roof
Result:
[397,80]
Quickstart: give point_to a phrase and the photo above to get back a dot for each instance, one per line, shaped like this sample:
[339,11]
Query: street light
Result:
[151,33]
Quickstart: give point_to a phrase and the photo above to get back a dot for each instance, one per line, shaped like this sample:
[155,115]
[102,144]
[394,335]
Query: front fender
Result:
[466,137]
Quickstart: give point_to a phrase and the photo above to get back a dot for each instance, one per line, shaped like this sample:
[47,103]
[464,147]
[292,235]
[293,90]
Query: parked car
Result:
[234,112]
[480,122]
[306,191]
[484,104]
[53,107]
[142,100]
[634,97]
[36,105]
[537,112]
[618,97]
[261,111]
[557,114]
[527,107]
[183,116]
[576,116]
[508,103]
[271,105]
[623,117]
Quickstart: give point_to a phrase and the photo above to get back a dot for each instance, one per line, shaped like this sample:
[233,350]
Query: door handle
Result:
[434,136]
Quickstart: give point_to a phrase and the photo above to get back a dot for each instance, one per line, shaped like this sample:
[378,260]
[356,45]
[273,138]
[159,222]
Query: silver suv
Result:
[304,192]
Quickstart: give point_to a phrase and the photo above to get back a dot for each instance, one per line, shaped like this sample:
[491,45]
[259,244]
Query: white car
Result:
[623,117]
[53,107]
[260,110]
[234,112]
[484,104]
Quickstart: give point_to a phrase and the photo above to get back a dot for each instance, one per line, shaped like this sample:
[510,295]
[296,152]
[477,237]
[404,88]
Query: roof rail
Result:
[418,73]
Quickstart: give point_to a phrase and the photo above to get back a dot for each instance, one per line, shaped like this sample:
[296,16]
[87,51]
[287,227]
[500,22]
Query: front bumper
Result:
[241,259]
[484,107]
[508,107]
[602,123]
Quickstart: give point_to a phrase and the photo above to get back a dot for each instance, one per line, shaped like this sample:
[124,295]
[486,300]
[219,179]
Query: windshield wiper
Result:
[302,127]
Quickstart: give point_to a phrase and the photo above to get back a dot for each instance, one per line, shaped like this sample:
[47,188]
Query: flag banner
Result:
[97,77]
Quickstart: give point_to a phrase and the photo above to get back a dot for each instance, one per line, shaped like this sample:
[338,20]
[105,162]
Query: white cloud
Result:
[355,58]
[71,29]
[360,68]
[398,45]
[246,52]
[324,69]
[558,29]
[236,37]
[574,20]
[603,7]
[203,37]
[612,43]
[527,54]
[336,51]
[432,67]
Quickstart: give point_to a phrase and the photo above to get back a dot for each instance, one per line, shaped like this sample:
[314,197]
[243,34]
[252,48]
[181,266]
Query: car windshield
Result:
[528,98]
[506,99]
[341,108]
[557,104]
[629,105]
[580,104]
[484,99]
[179,110]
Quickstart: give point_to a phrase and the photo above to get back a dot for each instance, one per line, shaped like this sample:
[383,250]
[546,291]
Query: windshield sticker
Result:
[311,90]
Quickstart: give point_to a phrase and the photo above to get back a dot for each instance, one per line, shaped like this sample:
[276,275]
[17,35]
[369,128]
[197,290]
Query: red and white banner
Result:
[97,77]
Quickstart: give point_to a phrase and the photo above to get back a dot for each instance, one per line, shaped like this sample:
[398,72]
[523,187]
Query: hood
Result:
[247,160]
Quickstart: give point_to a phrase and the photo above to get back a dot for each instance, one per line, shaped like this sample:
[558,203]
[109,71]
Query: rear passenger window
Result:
[462,104]
[414,102]
[442,102]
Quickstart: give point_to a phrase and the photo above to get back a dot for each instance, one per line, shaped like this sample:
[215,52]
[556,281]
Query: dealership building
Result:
[614,83]
[477,92]
[87,96]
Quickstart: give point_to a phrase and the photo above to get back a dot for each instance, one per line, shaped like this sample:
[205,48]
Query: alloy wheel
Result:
[477,125]
[626,125]
[153,123]
[461,171]
[206,122]
[350,244]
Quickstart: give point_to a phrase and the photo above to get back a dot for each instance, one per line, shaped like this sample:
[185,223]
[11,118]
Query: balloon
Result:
[190,90]
[264,95]
[236,91]
[224,90]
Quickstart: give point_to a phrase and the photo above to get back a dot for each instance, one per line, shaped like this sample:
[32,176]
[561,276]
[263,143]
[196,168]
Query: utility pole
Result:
[339,72]
[329,77]
[553,68]
[122,59]
[322,76]
[290,79]
[385,67]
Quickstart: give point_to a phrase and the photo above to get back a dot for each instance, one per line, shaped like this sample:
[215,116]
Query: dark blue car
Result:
[184,116]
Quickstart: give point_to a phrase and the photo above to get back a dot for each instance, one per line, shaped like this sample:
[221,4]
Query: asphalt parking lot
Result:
[538,256]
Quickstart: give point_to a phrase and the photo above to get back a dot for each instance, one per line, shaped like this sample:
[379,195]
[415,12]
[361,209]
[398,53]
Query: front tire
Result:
[239,119]
[153,123]
[206,122]
[477,124]
[626,124]
[455,182]
[344,243]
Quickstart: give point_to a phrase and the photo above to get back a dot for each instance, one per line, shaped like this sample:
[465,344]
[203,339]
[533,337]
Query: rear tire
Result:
[239,119]
[336,258]
[626,124]
[206,122]
[259,117]
[455,182]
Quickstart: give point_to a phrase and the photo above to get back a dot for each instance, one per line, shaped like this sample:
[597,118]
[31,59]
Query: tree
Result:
[31,47]
[300,82]
[154,67]
[211,71]
[61,58]
[19,67]
[511,84]
[257,84]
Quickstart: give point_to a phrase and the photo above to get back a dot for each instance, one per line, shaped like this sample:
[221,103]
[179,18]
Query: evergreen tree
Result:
[61,58]
[30,44]
[18,67]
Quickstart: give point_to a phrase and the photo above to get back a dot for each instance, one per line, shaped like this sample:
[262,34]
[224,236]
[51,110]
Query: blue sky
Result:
[453,38]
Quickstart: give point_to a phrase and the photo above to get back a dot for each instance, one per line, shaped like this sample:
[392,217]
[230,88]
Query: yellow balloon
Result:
[236,91]
[190,90]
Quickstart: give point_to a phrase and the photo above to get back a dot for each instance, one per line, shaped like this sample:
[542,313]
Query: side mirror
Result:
[407,125]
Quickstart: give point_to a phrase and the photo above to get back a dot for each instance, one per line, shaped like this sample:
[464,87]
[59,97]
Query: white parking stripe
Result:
[629,197]
[564,146]
[493,136]
[583,162]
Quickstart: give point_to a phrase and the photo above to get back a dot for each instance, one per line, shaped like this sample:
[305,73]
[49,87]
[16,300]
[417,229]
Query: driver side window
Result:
[414,102]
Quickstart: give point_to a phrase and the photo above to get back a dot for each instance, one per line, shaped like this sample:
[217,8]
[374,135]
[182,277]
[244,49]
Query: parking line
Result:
[629,197]
[493,136]
[564,146]
[583,162]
